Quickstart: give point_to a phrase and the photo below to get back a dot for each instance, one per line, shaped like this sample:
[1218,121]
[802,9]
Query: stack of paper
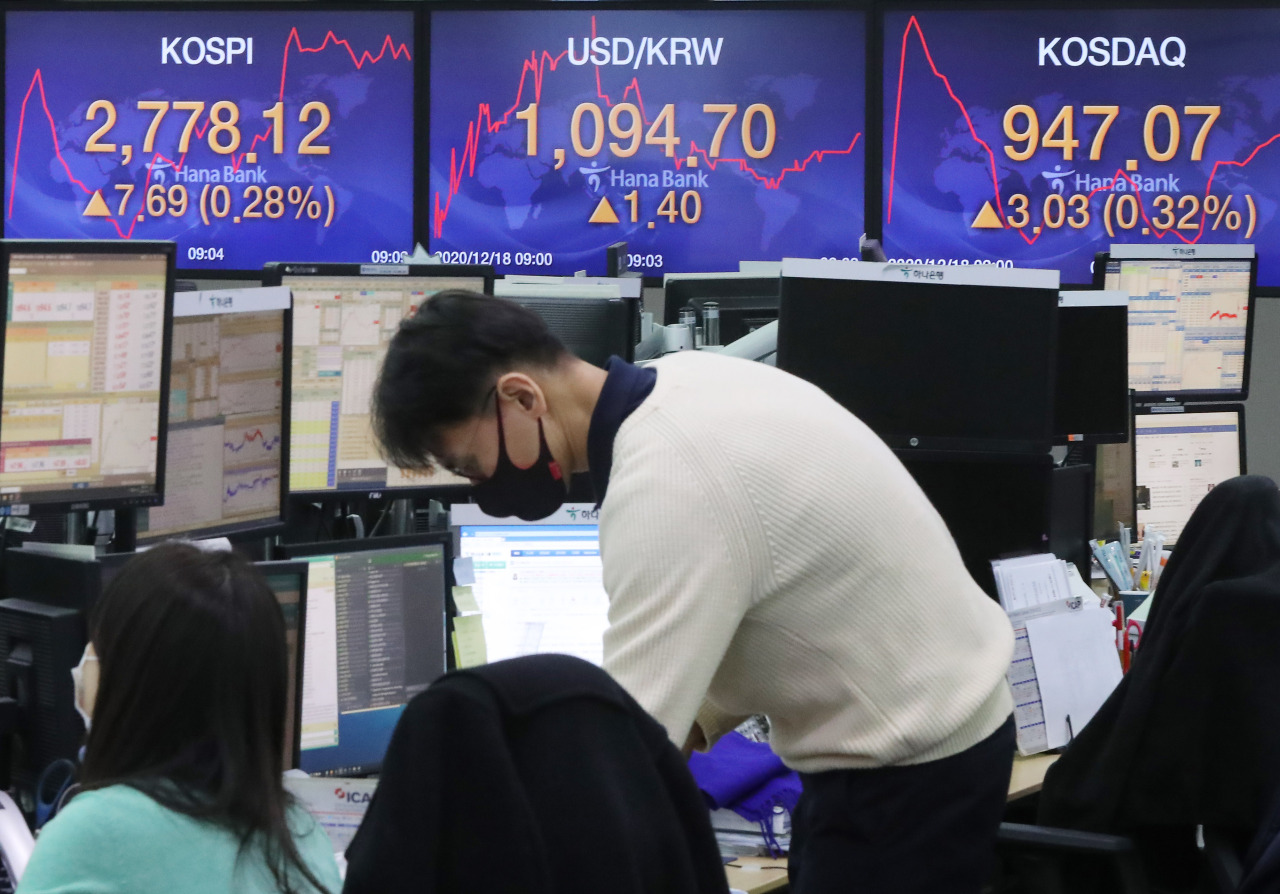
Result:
[1064,660]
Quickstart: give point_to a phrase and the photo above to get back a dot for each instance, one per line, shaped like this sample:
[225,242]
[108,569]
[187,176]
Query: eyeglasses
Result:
[456,468]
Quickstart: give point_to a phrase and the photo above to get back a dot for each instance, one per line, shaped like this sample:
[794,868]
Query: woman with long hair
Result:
[182,776]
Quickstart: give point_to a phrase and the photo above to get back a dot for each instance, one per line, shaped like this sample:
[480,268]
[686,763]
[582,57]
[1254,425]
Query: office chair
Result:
[537,774]
[1042,859]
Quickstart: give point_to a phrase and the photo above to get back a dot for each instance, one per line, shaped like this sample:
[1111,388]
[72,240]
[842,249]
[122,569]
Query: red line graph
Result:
[1223,315]
[537,65]
[913,24]
[293,40]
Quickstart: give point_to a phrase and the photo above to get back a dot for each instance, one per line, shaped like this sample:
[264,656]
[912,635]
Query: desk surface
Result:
[758,875]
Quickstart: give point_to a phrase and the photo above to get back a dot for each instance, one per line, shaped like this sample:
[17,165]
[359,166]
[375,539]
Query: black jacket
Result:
[538,774]
[1192,733]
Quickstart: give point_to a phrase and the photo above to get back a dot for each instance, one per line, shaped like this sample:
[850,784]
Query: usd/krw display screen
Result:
[246,136]
[700,138]
[1039,138]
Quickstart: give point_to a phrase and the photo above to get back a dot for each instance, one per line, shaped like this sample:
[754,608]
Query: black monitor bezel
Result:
[419,206]
[925,444]
[1192,396]
[273,274]
[112,498]
[295,552]
[260,527]
[1072,439]
[300,568]
[1174,408]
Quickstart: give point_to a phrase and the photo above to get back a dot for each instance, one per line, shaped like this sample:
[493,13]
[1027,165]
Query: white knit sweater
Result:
[765,552]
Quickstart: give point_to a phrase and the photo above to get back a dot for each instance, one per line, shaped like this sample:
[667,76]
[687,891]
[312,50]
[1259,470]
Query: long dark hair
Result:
[191,699]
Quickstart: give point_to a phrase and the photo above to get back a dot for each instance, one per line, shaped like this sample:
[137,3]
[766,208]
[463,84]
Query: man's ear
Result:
[523,390]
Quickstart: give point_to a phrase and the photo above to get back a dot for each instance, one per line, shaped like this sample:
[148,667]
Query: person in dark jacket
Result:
[538,774]
[1191,736]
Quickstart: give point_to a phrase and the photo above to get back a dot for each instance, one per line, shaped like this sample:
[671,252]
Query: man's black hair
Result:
[443,361]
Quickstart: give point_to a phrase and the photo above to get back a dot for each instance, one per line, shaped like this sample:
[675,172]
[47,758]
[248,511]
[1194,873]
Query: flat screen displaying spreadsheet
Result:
[539,586]
[343,322]
[374,638]
[86,345]
[1189,323]
[1180,457]
[227,435]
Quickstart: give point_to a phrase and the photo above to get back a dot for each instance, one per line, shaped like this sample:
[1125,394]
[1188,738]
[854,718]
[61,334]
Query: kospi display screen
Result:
[246,136]
[700,138]
[1039,138]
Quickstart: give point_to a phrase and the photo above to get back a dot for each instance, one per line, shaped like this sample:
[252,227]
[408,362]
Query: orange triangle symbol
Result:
[97,207]
[604,213]
[987,219]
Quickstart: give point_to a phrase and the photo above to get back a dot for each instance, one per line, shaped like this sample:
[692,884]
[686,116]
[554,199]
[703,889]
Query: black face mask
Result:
[528,494]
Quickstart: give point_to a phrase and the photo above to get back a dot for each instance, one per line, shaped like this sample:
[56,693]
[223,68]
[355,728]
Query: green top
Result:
[117,839]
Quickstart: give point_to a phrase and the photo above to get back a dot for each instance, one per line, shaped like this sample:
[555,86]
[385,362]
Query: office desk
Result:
[757,875]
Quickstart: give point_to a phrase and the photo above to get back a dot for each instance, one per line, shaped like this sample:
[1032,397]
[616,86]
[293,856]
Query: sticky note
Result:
[465,599]
[464,571]
[468,640]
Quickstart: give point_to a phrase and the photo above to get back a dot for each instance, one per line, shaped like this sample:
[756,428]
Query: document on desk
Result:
[1031,582]
[1077,667]
[1028,711]
[1032,587]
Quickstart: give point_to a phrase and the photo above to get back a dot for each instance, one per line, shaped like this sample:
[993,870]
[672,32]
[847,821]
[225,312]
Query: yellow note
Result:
[468,631]
[465,599]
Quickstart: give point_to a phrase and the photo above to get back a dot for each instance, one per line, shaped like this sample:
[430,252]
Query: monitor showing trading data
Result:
[1180,457]
[1190,317]
[697,136]
[246,135]
[227,433]
[1147,126]
[344,316]
[540,586]
[86,350]
[288,580]
[374,638]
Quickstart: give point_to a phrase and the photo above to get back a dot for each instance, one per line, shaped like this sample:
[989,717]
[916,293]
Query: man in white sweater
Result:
[764,553]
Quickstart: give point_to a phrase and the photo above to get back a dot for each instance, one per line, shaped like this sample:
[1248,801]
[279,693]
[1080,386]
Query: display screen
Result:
[700,138]
[290,590]
[540,587]
[1188,323]
[1092,376]
[246,136]
[342,326]
[927,357]
[1038,138]
[1178,458]
[375,638]
[84,377]
[226,400]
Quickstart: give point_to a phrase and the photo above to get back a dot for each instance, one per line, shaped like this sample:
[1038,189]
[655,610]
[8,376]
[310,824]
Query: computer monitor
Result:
[1190,317]
[245,133]
[1180,454]
[288,580]
[747,302]
[930,358]
[344,316]
[593,321]
[1092,404]
[227,464]
[539,585]
[83,416]
[730,150]
[374,638]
